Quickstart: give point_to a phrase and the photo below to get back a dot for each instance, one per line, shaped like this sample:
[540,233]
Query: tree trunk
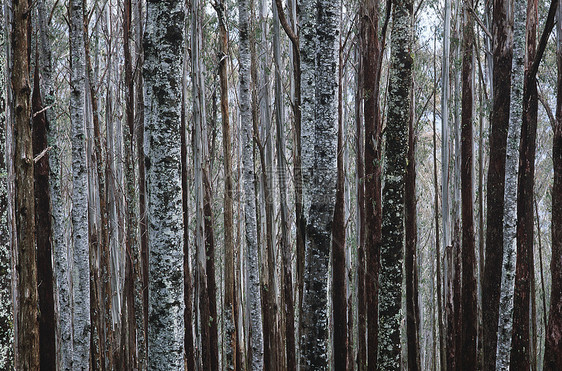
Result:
[553,345]
[230,307]
[81,268]
[390,279]
[254,296]
[27,335]
[6,335]
[339,297]
[319,131]
[163,41]
[43,232]
[521,346]
[505,323]
[499,120]
[469,298]
[411,266]
[371,67]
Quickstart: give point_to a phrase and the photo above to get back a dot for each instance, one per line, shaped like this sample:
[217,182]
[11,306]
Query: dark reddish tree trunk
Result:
[469,312]
[339,296]
[553,347]
[188,287]
[47,357]
[412,314]
[371,66]
[499,120]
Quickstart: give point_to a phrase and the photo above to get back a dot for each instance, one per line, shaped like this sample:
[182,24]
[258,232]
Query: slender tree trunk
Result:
[411,236]
[27,335]
[319,131]
[505,324]
[339,297]
[371,66]
[437,246]
[81,268]
[254,297]
[230,307]
[6,318]
[163,41]
[390,279]
[521,346]
[499,121]
[469,298]
[43,232]
[360,184]
[553,345]
[190,354]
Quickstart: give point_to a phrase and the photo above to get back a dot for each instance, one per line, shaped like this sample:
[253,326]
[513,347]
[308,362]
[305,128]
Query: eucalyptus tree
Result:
[553,346]
[391,254]
[80,236]
[162,72]
[319,147]
[499,120]
[253,294]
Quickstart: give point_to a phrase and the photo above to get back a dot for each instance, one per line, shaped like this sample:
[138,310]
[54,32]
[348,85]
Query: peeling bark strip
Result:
[505,321]
[80,257]
[319,144]
[27,334]
[390,279]
[163,41]
[254,295]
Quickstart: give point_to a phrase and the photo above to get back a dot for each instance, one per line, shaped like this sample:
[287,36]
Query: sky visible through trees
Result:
[281,185]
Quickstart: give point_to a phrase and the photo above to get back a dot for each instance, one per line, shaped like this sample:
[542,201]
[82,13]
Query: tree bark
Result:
[162,73]
[339,297]
[411,265]
[469,297]
[80,236]
[391,255]
[499,120]
[318,132]
[253,293]
[47,358]
[553,345]
[371,68]
[505,324]
[521,345]
[27,335]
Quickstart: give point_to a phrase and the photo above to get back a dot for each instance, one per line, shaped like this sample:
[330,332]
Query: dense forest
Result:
[281,185]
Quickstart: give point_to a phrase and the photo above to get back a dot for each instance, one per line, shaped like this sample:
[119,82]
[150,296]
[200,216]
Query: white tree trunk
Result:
[505,322]
[163,41]
[445,127]
[80,259]
[253,293]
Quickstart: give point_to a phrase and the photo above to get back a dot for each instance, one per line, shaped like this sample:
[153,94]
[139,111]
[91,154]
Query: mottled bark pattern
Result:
[390,279]
[505,321]
[80,240]
[163,41]
[499,121]
[521,345]
[254,295]
[319,160]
